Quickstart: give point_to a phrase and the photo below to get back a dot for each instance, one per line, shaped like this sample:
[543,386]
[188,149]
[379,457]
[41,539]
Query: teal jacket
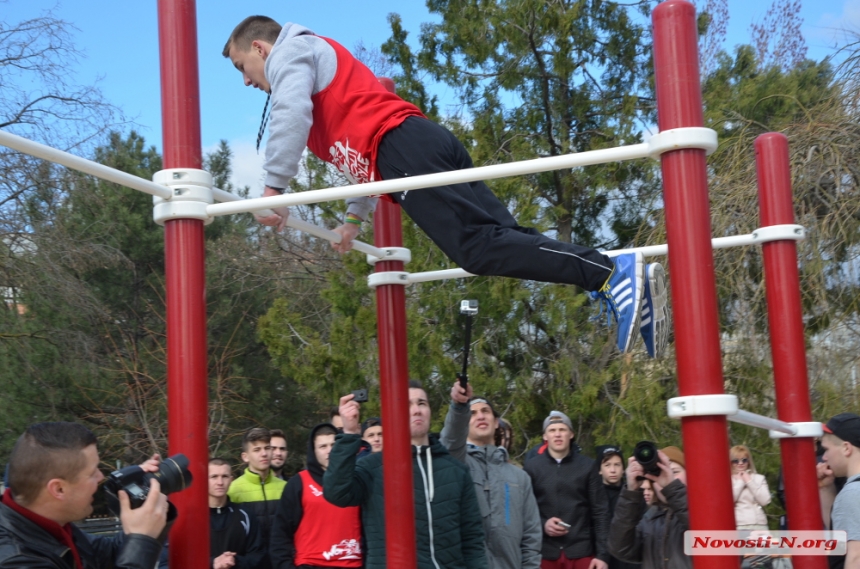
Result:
[449,533]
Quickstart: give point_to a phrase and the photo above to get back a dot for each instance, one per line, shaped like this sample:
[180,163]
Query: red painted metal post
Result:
[694,295]
[787,342]
[393,382]
[187,387]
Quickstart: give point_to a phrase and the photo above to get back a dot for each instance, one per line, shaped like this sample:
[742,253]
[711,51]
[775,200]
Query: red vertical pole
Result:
[393,382]
[787,342]
[187,388]
[694,294]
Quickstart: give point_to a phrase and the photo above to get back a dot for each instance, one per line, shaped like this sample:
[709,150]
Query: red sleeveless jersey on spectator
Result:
[328,536]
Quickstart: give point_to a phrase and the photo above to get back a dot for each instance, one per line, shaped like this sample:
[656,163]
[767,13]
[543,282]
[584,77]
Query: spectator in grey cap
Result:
[572,503]
[841,444]
[512,526]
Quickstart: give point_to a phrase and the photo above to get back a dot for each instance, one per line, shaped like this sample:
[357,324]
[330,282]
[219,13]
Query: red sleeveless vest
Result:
[351,116]
[328,536]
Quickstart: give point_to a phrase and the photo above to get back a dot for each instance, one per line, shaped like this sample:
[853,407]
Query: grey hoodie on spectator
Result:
[509,512]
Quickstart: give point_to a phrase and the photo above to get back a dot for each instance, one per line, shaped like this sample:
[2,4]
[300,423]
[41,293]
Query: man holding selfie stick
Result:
[53,476]
[573,508]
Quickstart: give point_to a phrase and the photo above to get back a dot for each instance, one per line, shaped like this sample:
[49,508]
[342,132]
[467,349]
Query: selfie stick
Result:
[470,309]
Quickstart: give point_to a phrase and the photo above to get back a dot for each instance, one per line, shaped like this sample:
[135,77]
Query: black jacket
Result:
[23,544]
[612,493]
[232,528]
[572,491]
[289,513]
[652,536]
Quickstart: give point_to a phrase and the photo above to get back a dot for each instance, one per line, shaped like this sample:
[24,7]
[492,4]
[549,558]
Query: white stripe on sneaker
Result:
[578,257]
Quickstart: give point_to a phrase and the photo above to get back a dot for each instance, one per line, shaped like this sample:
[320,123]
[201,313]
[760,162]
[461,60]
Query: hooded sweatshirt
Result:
[509,511]
[447,521]
[323,98]
[310,532]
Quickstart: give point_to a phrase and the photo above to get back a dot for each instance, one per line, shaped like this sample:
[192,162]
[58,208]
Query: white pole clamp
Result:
[810,429]
[725,404]
[192,193]
[779,233]
[391,254]
[681,138]
[697,405]
[388,278]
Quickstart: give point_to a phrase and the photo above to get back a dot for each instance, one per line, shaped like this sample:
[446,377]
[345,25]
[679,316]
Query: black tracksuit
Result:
[572,491]
[469,223]
[232,528]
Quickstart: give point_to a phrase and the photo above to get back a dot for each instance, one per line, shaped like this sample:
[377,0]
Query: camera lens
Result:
[173,474]
[645,454]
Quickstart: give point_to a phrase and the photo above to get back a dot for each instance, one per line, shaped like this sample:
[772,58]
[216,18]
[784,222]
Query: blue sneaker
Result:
[622,295]
[654,323]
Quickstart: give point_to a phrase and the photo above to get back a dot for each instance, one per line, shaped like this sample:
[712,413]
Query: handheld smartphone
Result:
[567,525]
[360,396]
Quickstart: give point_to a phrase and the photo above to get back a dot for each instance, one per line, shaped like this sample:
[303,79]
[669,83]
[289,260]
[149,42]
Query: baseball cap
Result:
[557,417]
[846,426]
[474,400]
[675,455]
[372,422]
[605,451]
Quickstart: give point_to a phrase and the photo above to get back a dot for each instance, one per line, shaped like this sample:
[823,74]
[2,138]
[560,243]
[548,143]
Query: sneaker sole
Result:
[660,305]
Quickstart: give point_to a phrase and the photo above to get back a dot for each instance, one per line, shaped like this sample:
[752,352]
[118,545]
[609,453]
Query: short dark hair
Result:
[334,412]
[277,433]
[254,435]
[324,429]
[415,384]
[46,451]
[218,461]
[250,29]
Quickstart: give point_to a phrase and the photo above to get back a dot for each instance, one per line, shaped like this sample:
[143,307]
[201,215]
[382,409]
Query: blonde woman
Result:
[750,490]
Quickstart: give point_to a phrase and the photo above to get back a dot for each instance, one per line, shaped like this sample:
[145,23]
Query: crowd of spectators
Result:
[474,507]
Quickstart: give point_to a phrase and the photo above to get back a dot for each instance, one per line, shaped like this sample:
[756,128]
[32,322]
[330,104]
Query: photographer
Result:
[653,536]
[53,476]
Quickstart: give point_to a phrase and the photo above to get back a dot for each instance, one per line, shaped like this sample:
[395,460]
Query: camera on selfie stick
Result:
[469,308]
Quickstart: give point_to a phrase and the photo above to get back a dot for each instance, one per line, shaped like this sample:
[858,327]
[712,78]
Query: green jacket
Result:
[260,497]
[445,502]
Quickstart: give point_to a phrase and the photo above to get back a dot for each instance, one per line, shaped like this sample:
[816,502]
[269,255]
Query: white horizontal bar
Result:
[309,228]
[648,251]
[441,179]
[83,165]
[443,275]
[762,422]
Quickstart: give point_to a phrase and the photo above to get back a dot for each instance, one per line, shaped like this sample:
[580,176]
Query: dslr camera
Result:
[645,454]
[173,475]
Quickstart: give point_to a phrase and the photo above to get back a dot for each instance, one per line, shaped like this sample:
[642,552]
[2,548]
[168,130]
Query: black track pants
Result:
[469,223]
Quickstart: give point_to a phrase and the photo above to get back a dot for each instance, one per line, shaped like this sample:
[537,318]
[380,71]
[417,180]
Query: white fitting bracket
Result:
[811,429]
[779,233]
[391,254]
[388,278]
[192,193]
[725,404]
[697,405]
[680,138]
